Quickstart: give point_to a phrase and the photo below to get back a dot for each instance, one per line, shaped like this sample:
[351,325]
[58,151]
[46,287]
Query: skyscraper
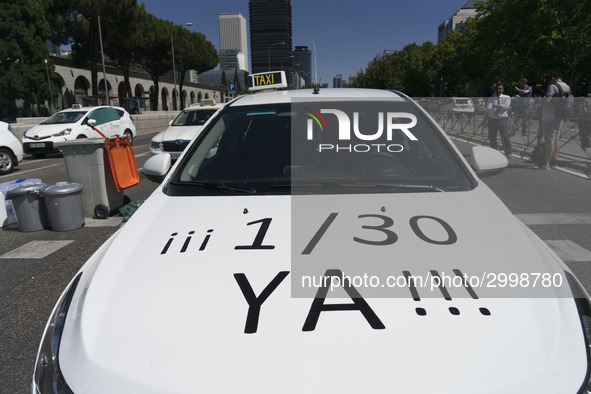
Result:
[233,42]
[302,63]
[270,35]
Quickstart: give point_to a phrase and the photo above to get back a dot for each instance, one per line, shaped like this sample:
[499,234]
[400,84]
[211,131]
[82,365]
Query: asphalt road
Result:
[29,287]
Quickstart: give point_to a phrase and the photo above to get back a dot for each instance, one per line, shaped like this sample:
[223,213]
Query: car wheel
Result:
[6,161]
[129,136]
[101,212]
[80,136]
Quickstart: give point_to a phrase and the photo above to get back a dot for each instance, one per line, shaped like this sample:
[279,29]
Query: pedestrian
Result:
[583,111]
[493,89]
[522,107]
[550,122]
[497,107]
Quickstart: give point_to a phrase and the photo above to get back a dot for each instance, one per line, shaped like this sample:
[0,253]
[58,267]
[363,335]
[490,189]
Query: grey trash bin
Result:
[85,164]
[64,206]
[29,207]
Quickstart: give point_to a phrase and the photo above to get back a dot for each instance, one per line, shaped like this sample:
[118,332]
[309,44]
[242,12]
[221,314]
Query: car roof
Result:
[195,108]
[207,103]
[87,109]
[286,96]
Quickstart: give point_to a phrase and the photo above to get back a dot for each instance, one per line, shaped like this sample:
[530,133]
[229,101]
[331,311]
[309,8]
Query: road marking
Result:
[565,249]
[554,218]
[112,221]
[35,250]
[18,173]
[569,251]
[28,162]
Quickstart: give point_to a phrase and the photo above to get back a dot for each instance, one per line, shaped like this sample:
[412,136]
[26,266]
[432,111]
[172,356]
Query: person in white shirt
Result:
[497,107]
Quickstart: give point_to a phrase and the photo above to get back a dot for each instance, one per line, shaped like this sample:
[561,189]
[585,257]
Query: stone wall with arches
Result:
[76,88]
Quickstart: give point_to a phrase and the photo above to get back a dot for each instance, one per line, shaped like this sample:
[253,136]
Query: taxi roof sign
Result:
[267,80]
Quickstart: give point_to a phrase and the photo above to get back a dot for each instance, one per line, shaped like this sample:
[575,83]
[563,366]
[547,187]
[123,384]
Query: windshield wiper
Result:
[222,186]
[401,186]
[397,186]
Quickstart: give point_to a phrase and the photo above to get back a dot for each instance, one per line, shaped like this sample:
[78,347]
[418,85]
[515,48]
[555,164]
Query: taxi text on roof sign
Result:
[268,80]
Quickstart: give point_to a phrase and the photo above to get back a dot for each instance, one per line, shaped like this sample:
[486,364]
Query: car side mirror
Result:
[91,122]
[487,161]
[170,123]
[157,166]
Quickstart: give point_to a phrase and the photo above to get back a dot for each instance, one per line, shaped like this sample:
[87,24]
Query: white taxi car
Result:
[320,241]
[186,126]
[11,150]
[78,122]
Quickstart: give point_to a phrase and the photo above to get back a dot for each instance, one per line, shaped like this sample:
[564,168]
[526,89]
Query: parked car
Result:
[458,105]
[11,150]
[78,122]
[205,288]
[479,105]
[186,126]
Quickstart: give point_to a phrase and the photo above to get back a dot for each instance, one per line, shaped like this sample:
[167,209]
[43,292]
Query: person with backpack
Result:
[522,107]
[556,94]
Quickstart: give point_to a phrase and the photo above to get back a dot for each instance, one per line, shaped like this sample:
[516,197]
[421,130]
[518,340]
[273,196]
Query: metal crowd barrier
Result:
[470,124]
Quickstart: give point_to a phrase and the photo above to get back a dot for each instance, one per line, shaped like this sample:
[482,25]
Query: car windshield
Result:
[65,117]
[193,117]
[381,147]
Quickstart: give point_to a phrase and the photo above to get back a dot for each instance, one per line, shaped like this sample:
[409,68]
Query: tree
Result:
[224,79]
[507,40]
[193,52]
[410,70]
[121,35]
[153,51]
[86,40]
[237,81]
[76,21]
[23,29]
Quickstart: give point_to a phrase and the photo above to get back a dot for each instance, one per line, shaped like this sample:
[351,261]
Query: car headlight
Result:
[11,130]
[63,132]
[157,145]
[47,377]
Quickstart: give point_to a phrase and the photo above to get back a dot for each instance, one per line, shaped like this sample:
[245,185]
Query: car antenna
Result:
[316,89]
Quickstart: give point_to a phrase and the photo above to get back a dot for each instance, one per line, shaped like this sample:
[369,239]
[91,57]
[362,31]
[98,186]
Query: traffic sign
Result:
[231,87]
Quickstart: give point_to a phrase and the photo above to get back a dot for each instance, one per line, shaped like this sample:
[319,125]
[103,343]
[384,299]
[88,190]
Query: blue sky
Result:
[347,34]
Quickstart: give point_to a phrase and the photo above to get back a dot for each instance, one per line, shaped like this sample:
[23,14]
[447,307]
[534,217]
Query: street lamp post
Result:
[269,55]
[49,82]
[173,65]
[286,57]
[287,74]
[98,15]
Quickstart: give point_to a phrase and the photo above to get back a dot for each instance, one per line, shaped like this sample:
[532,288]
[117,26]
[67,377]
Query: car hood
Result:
[197,294]
[44,130]
[185,133]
